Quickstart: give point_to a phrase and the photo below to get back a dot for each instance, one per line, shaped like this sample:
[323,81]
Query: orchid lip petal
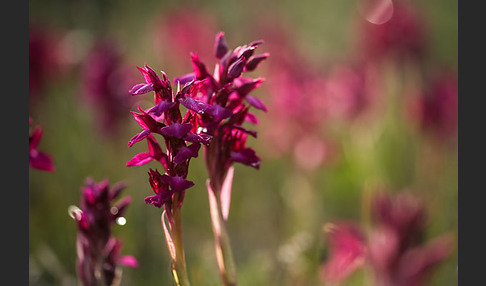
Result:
[176,183]
[198,138]
[219,113]
[247,157]
[194,105]
[160,108]
[176,130]
[187,152]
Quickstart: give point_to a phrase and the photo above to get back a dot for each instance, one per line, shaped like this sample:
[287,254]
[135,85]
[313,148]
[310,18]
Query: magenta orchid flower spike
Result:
[217,107]
[347,251]
[182,143]
[393,249]
[45,59]
[99,252]
[221,103]
[435,110]
[38,159]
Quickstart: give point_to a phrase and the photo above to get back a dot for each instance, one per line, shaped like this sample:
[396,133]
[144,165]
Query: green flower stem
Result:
[179,269]
[224,253]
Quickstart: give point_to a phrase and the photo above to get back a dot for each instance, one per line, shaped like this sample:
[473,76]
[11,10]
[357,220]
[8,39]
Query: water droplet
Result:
[201,129]
[114,210]
[121,221]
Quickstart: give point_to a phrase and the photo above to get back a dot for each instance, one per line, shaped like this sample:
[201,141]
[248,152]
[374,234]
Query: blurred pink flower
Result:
[436,109]
[179,32]
[105,81]
[401,37]
[393,248]
[307,98]
[351,91]
[98,251]
[295,90]
[44,58]
[37,159]
[396,250]
[179,134]
[347,246]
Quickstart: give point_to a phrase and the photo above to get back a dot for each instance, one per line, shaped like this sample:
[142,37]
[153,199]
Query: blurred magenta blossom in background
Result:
[436,107]
[394,248]
[98,251]
[106,77]
[38,159]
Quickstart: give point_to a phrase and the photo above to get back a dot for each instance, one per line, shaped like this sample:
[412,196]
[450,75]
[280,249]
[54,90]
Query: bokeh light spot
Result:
[376,11]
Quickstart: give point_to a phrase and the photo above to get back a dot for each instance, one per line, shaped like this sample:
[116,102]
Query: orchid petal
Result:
[140,159]
[256,102]
[128,260]
[236,68]
[176,130]
[247,157]
[254,61]
[41,161]
[185,153]
[140,136]
[198,138]
[176,183]
[141,88]
[163,106]
[183,80]
[220,46]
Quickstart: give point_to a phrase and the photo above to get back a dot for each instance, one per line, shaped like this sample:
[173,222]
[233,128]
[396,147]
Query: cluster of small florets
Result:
[217,106]
[222,101]
[98,251]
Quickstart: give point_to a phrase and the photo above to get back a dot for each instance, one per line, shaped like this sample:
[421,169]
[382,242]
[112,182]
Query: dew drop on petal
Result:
[376,11]
[121,221]
[201,129]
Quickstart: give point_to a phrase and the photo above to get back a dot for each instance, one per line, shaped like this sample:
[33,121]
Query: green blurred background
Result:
[278,212]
